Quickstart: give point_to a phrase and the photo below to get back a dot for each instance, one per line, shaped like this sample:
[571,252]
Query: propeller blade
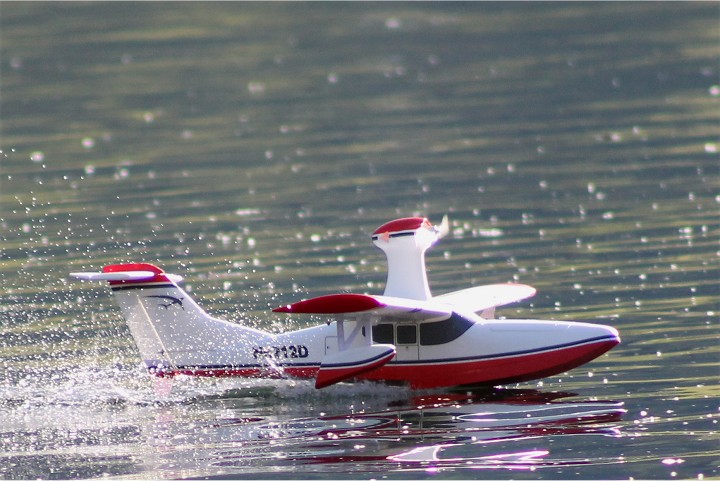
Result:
[444,228]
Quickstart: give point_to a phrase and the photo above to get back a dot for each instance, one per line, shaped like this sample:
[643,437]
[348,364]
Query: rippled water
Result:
[252,148]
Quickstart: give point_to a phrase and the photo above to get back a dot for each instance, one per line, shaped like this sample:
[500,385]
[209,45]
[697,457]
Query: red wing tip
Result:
[332,304]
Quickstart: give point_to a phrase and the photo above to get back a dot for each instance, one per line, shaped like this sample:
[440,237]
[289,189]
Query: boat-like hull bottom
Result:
[487,371]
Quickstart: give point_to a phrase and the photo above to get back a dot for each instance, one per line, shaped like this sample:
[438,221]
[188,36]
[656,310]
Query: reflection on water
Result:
[253,148]
[247,428]
[438,432]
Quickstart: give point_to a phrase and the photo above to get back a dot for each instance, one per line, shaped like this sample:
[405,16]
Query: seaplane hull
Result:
[426,374]
[299,355]
[405,336]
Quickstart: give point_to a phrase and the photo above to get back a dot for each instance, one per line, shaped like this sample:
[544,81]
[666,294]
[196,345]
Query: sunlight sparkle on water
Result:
[260,167]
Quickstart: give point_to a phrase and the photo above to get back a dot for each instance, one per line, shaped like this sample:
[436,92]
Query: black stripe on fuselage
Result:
[355,363]
[142,286]
[509,354]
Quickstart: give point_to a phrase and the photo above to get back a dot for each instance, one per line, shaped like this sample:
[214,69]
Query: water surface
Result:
[253,148]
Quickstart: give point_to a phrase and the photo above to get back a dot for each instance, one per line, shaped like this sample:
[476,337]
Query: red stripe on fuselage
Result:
[217,372]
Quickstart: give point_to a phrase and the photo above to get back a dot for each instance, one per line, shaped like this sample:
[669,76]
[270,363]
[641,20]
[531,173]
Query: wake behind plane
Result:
[404,336]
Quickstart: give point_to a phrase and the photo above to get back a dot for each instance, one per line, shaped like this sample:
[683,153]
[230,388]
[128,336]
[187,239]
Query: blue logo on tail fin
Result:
[171,301]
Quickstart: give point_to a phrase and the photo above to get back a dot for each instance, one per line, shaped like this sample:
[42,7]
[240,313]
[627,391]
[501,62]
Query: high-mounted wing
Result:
[473,299]
[364,305]
[482,298]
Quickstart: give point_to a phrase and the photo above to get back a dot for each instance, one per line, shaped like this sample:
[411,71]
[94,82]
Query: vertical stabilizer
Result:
[404,242]
[172,332]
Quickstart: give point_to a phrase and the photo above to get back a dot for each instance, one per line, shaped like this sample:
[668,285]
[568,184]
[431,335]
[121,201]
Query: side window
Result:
[406,334]
[383,334]
[441,332]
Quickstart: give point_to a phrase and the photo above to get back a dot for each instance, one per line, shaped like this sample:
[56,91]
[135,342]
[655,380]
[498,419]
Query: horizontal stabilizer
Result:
[113,276]
[351,363]
[368,304]
[128,273]
[479,298]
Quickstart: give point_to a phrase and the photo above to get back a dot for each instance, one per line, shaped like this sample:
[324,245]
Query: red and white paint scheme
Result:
[405,336]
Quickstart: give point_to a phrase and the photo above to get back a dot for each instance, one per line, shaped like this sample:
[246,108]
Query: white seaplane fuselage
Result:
[405,336]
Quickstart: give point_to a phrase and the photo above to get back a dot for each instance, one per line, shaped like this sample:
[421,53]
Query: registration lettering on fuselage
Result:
[281,352]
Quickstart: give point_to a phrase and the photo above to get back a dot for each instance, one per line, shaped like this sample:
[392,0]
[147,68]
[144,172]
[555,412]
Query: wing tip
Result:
[332,304]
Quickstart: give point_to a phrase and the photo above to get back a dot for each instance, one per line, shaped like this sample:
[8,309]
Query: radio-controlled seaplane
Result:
[405,336]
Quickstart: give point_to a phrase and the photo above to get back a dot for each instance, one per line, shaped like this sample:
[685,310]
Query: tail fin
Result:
[172,332]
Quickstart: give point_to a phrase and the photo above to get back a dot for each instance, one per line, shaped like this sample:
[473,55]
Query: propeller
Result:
[444,228]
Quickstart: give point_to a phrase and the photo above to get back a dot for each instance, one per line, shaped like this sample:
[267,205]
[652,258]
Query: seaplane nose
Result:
[598,332]
[614,332]
[597,337]
[609,332]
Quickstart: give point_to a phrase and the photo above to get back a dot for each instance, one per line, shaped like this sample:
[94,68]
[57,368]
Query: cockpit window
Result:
[383,334]
[407,334]
[434,333]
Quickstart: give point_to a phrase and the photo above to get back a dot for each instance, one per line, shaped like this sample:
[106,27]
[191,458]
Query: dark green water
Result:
[253,147]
